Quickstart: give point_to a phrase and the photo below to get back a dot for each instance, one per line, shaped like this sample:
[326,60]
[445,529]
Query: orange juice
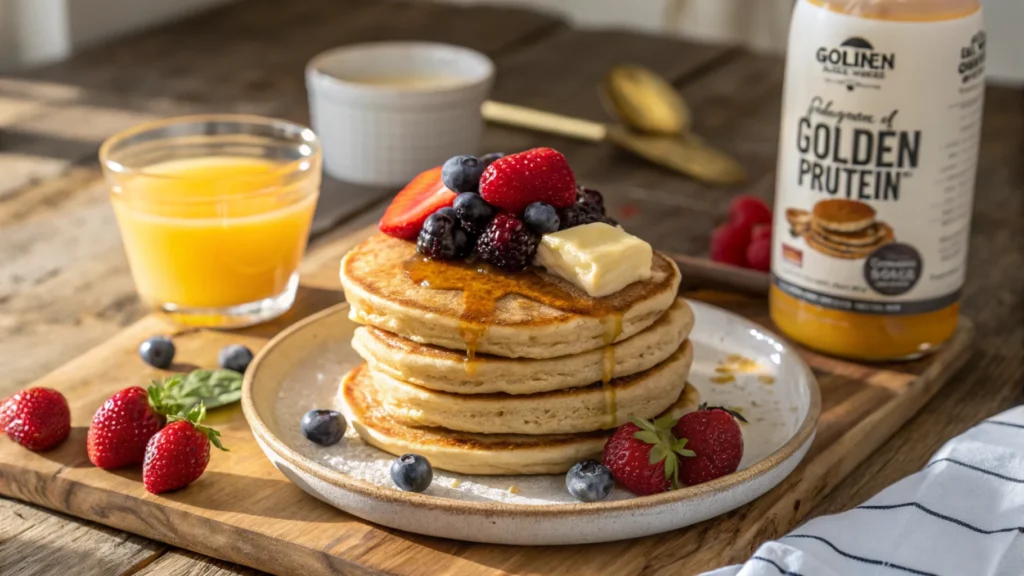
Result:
[214,232]
[877,157]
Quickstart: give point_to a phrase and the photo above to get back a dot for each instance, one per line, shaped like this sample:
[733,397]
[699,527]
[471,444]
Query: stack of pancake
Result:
[840,228]
[487,372]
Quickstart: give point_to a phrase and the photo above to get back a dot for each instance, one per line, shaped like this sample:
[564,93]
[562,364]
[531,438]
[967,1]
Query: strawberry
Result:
[644,456]
[538,175]
[423,196]
[37,418]
[729,244]
[715,437]
[760,231]
[748,211]
[759,254]
[178,454]
[124,424]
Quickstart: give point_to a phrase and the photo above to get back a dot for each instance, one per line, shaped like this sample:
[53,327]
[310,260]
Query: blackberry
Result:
[488,159]
[473,211]
[590,197]
[578,215]
[437,237]
[507,243]
[464,243]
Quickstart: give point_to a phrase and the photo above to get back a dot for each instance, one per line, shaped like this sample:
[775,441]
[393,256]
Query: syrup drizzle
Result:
[482,287]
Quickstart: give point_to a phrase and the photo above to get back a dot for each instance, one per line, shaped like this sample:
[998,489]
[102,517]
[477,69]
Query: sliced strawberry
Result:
[538,175]
[423,196]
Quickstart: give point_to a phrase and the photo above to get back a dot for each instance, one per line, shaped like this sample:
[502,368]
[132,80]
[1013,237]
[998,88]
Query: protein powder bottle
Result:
[877,157]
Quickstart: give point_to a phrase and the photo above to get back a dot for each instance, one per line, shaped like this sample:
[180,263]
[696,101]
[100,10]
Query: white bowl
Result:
[301,367]
[377,132]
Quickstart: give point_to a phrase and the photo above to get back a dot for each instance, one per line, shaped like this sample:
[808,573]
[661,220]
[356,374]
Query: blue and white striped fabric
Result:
[962,515]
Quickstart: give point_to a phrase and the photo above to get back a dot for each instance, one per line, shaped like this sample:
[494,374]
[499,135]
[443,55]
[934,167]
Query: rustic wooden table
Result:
[65,286]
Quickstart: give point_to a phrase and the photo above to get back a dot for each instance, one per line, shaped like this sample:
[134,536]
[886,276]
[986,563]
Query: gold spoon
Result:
[648,103]
[687,156]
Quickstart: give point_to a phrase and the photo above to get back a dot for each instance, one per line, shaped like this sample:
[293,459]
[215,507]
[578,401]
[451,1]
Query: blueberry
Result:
[473,211]
[541,218]
[462,173]
[234,357]
[323,427]
[589,481]
[412,473]
[157,351]
[488,159]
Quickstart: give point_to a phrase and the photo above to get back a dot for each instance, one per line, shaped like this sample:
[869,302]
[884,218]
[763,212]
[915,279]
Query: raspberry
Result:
[507,243]
[761,231]
[759,254]
[729,244]
[748,211]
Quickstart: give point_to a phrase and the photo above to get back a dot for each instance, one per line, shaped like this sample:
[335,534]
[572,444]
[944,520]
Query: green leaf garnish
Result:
[179,394]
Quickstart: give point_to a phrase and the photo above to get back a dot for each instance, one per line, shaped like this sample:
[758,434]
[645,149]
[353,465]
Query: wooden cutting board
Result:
[245,511]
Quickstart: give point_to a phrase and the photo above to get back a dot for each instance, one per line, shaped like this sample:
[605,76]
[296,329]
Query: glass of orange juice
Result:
[214,213]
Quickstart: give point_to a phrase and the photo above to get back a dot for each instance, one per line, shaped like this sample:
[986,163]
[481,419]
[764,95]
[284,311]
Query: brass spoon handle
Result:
[522,117]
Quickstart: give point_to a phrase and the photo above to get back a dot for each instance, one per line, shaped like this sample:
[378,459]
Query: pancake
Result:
[839,215]
[488,454]
[595,407]
[448,371]
[829,248]
[799,220]
[865,237]
[470,306]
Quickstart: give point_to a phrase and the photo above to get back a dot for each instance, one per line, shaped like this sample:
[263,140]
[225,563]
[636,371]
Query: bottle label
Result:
[877,157]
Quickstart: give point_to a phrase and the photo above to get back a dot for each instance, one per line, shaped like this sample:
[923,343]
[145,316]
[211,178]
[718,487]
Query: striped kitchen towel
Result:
[962,515]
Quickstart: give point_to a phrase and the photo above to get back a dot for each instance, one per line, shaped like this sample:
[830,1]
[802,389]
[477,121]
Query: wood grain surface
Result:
[245,511]
[64,283]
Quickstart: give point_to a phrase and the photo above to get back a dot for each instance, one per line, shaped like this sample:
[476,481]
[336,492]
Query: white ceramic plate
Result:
[301,368]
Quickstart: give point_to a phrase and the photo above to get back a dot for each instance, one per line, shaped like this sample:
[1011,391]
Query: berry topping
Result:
[37,418]
[178,454]
[157,351]
[464,243]
[412,473]
[474,212]
[591,197]
[644,456]
[323,427]
[423,196]
[234,357]
[437,238]
[462,173]
[759,253]
[537,175]
[748,211]
[488,159]
[589,481]
[541,218]
[729,244]
[507,243]
[580,214]
[715,437]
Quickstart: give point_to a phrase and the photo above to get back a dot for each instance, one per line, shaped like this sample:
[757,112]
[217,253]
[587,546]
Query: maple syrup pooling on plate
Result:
[482,287]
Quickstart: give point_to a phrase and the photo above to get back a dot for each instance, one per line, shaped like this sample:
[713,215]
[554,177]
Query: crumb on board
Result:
[456,483]
[513,489]
[733,358]
[723,370]
[724,379]
[766,379]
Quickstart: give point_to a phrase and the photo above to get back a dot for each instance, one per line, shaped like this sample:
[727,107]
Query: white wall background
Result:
[33,32]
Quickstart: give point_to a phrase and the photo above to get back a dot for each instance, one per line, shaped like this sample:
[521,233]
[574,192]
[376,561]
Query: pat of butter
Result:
[599,258]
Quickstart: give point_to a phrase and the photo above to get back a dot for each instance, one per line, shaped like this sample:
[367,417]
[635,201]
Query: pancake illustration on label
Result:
[839,228]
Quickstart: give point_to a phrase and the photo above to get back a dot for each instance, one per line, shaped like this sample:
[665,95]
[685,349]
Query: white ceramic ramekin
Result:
[383,135]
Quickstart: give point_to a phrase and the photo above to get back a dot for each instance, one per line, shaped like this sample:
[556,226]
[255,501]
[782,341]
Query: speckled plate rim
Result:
[363,488]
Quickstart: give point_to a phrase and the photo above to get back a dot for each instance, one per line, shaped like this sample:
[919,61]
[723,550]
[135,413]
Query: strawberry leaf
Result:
[644,424]
[680,448]
[647,436]
[195,416]
[666,422]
